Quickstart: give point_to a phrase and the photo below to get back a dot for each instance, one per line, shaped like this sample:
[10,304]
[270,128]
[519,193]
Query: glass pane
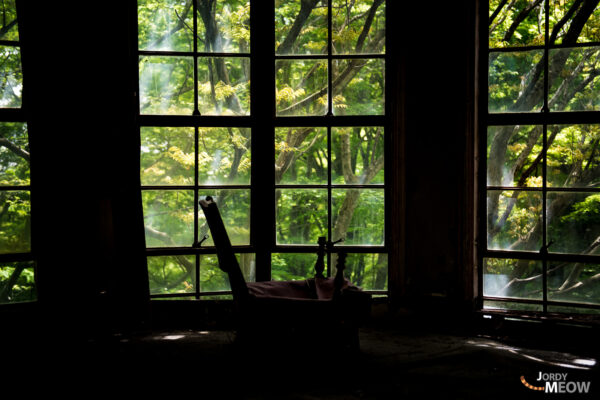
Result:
[358,216]
[573,282]
[11,77]
[14,154]
[166,85]
[358,87]
[514,220]
[301,87]
[573,156]
[168,217]
[165,25]
[172,274]
[516,23]
[574,79]
[223,156]
[8,21]
[514,155]
[293,266]
[368,271]
[224,86]
[507,305]
[234,207]
[573,222]
[358,26]
[224,26]
[572,310]
[17,282]
[301,27]
[357,155]
[516,81]
[559,29]
[512,278]
[301,215]
[15,222]
[167,156]
[213,279]
[301,155]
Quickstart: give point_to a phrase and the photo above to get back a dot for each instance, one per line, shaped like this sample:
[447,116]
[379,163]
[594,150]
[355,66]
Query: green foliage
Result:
[14,166]
[21,277]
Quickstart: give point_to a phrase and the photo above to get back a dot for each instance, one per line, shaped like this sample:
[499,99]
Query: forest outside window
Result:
[541,200]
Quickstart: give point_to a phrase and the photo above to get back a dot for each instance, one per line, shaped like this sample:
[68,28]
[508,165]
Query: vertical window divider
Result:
[329,59]
[195,49]
[545,111]
[329,208]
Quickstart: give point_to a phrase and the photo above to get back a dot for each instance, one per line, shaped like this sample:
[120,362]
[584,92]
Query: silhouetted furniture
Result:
[315,310]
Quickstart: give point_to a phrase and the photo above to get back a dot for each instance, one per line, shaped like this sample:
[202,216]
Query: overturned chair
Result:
[297,313]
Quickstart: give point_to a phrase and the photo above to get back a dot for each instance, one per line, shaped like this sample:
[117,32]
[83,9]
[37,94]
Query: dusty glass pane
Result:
[293,266]
[301,27]
[301,155]
[515,81]
[509,305]
[213,279]
[17,282]
[514,155]
[573,282]
[14,154]
[168,217]
[358,26]
[573,222]
[574,78]
[301,87]
[224,86]
[514,220]
[301,215]
[512,278]
[8,21]
[234,207]
[15,221]
[224,26]
[368,271]
[561,22]
[166,85]
[573,157]
[358,216]
[516,23]
[357,155]
[165,25]
[167,156]
[172,274]
[358,87]
[223,156]
[11,77]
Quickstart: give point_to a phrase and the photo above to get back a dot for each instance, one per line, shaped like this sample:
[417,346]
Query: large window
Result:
[17,277]
[540,137]
[276,109]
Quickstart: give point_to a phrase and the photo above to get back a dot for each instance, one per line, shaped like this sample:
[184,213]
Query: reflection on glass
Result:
[559,26]
[514,155]
[293,266]
[165,25]
[573,86]
[301,27]
[167,156]
[508,305]
[11,77]
[14,154]
[234,207]
[223,156]
[573,282]
[358,87]
[224,26]
[518,23]
[166,85]
[357,155]
[358,27]
[168,217]
[172,274]
[358,216]
[512,278]
[515,81]
[301,215]
[301,87]
[8,21]
[15,221]
[17,282]
[368,271]
[301,155]
[514,220]
[224,86]
[573,222]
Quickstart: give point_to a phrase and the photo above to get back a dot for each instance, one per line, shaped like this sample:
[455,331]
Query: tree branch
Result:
[15,149]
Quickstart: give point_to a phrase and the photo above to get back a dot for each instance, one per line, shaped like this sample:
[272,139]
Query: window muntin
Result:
[541,167]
